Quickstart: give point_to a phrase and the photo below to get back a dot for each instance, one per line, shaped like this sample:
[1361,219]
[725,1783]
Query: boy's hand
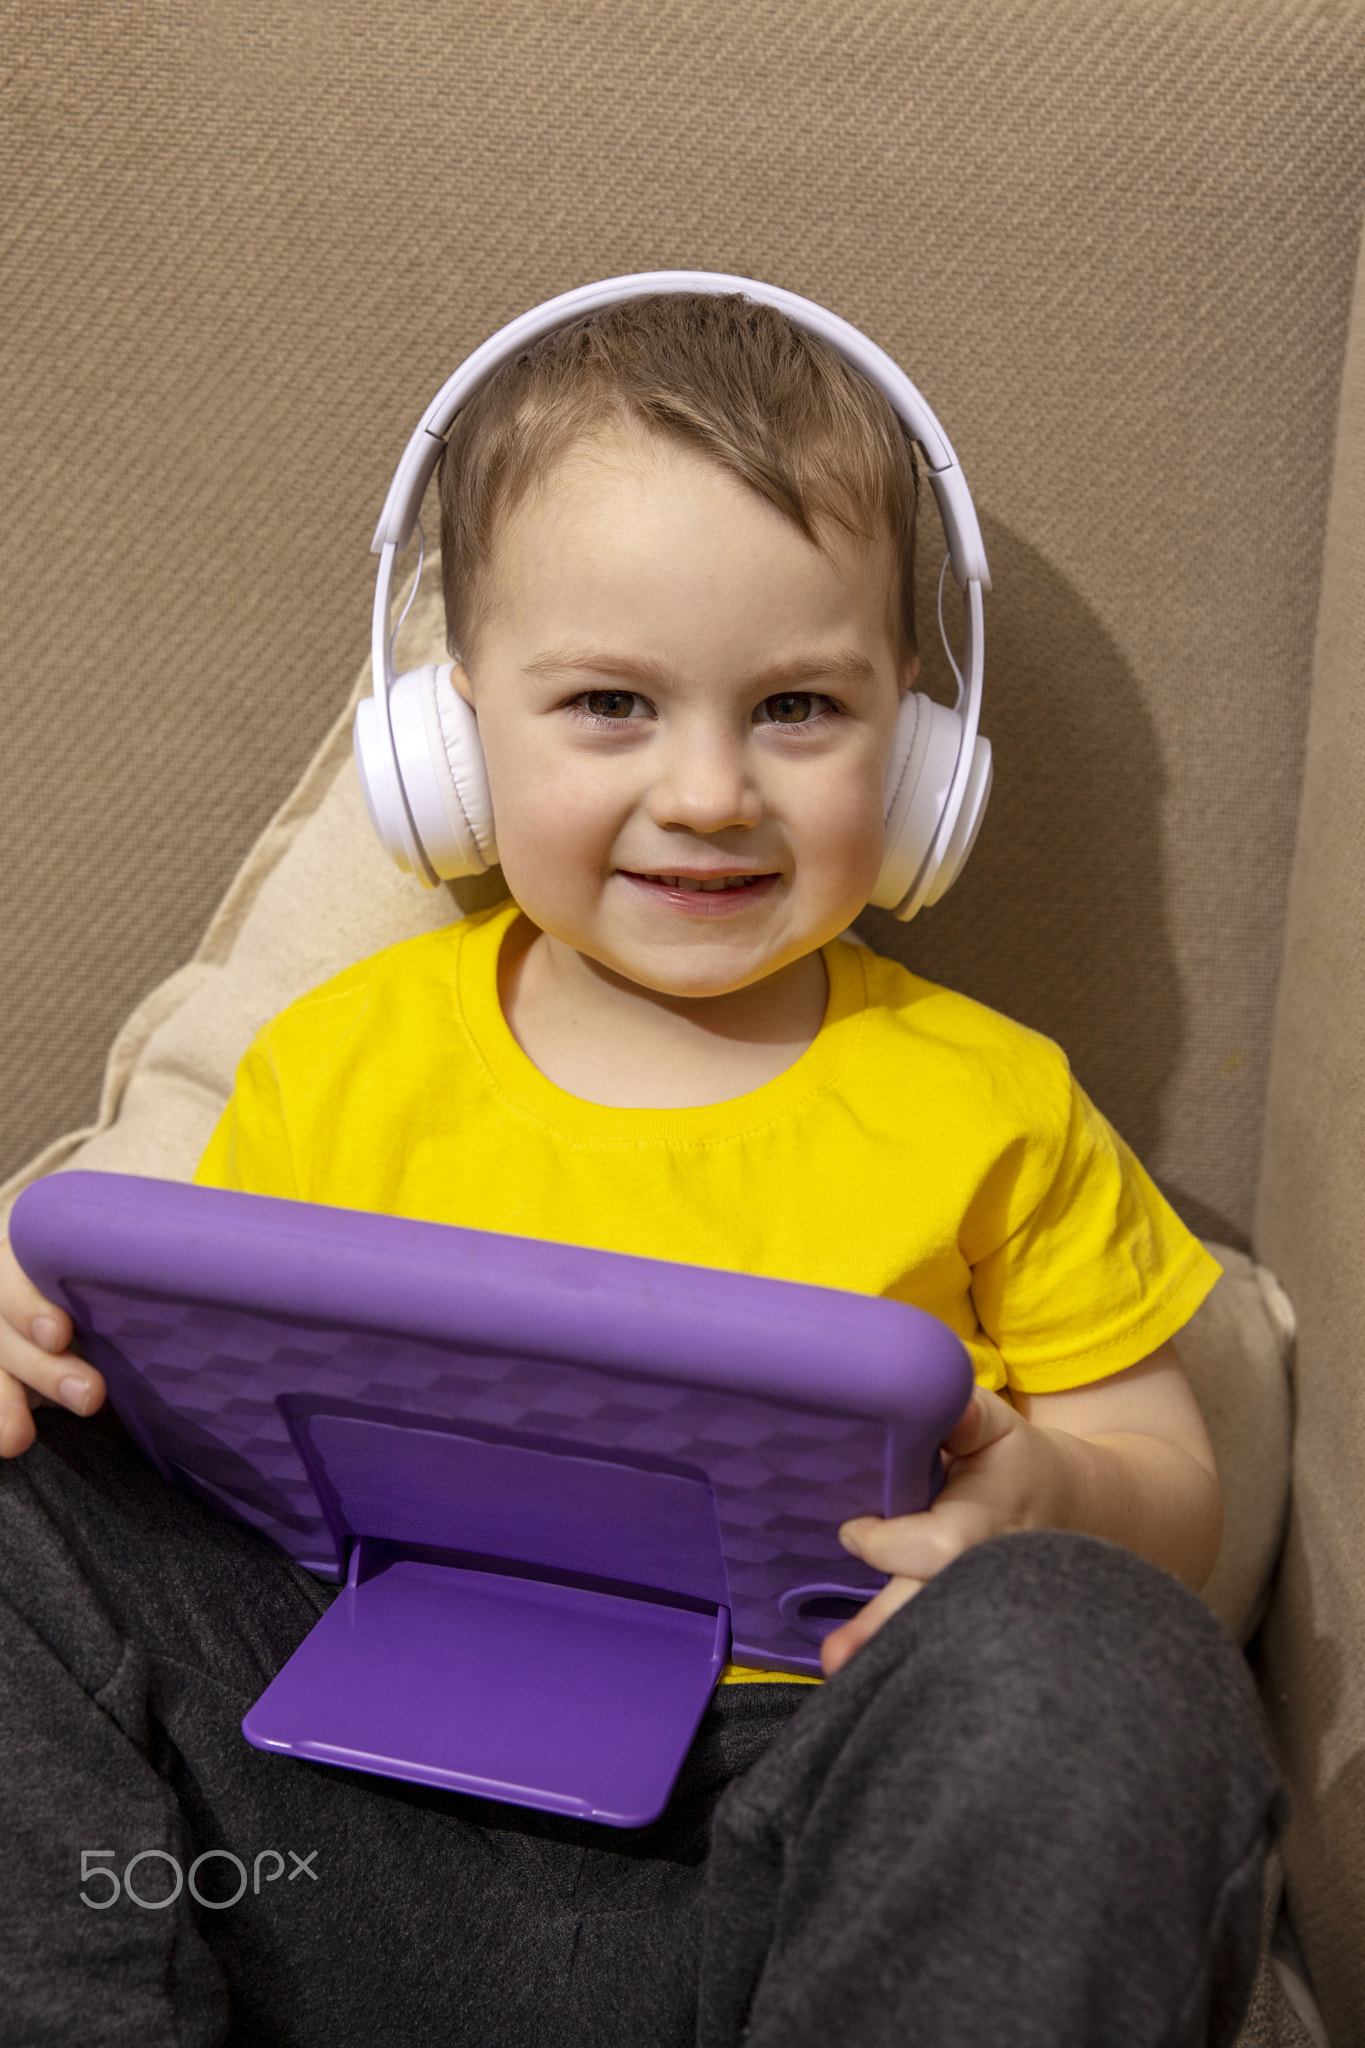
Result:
[1127,1458]
[34,1361]
[1002,1477]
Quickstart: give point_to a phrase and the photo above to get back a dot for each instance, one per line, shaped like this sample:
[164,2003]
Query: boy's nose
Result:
[705,785]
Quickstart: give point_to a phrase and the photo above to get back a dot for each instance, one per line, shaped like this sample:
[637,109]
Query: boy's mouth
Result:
[703,881]
[713,895]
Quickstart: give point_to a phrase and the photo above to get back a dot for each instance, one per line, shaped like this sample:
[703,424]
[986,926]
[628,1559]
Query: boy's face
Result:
[675,689]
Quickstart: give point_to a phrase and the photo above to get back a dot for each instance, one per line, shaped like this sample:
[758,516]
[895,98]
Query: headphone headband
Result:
[423,451]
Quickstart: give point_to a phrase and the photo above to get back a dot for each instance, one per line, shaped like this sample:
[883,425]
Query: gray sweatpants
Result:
[1032,1813]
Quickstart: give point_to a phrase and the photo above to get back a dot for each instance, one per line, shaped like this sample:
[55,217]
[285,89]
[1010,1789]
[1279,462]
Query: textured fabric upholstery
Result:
[1312,1224]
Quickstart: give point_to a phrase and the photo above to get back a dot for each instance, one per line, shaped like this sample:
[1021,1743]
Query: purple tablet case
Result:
[560,1486]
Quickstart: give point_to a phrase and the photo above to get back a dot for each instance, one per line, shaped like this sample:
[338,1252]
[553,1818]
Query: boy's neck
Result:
[613,1042]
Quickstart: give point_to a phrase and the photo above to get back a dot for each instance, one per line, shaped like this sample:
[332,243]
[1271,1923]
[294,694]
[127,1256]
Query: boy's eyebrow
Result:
[598,661]
[840,665]
[837,665]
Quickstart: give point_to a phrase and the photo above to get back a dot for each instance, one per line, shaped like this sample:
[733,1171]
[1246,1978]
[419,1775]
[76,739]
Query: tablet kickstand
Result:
[518,1621]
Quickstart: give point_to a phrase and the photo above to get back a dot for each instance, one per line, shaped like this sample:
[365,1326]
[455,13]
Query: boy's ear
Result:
[909,672]
[460,678]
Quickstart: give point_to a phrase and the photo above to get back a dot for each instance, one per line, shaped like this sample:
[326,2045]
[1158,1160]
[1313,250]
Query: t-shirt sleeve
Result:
[1098,1274]
[250,1148]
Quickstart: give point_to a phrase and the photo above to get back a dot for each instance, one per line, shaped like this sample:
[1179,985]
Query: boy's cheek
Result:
[553,824]
[840,844]
[548,826]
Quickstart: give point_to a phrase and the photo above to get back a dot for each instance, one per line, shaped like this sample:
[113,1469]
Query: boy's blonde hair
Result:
[737,382]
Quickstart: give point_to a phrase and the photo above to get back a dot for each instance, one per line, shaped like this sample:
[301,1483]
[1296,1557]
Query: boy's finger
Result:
[985,1419]
[16,1422]
[919,1546]
[65,1379]
[28,1311]
[841,1643]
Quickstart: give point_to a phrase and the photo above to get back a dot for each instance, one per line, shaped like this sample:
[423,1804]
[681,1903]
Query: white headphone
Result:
[417,742]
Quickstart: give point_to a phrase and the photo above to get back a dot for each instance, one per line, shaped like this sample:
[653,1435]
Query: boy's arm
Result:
[1127,1458]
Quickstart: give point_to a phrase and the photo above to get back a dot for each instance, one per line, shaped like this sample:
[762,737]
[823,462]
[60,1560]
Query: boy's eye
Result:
[608,703]
[791,707]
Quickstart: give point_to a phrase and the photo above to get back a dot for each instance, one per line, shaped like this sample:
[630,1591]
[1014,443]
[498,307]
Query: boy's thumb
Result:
[984,1418]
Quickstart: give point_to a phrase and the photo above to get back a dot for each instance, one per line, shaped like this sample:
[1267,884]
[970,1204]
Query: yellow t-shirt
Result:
[922,1147]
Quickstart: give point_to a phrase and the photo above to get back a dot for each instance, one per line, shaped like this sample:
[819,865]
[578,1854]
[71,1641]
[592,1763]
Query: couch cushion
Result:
[1312,1223]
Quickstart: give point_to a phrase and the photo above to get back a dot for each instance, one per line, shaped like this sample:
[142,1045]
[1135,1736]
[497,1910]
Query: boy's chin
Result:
[705,965]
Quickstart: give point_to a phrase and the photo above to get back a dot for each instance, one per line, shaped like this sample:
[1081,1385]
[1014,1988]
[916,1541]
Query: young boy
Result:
[678,553]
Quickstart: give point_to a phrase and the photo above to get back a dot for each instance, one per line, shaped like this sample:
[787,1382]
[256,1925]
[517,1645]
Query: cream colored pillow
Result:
[1238,1351]
[316,893]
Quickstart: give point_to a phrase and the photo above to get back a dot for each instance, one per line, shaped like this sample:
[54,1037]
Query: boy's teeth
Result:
[693,882]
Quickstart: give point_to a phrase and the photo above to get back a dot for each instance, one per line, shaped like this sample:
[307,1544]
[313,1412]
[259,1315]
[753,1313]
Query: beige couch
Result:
[1116,245]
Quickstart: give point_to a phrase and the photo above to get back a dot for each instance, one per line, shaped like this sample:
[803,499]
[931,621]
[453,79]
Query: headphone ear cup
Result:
[918,778]
[444,777]
[462,756]
[962,839]
[380,788]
